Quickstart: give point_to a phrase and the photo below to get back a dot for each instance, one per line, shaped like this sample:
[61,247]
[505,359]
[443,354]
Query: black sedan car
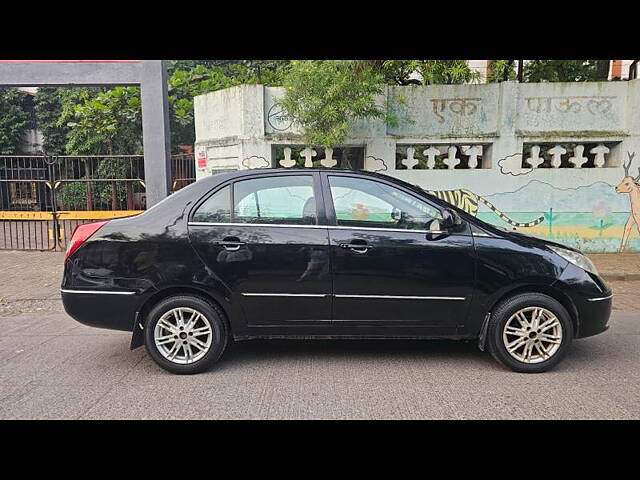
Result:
[309,253]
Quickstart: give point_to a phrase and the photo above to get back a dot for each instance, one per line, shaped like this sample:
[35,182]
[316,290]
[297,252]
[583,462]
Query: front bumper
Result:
[594,316]
[591,297]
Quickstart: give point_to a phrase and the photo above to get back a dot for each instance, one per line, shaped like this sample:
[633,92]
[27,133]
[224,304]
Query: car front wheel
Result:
[185,334]
[529,333]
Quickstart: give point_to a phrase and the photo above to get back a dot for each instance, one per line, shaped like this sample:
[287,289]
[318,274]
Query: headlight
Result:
[576,258]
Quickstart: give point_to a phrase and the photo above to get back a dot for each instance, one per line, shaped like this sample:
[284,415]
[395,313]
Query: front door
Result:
[391,263]
[268,248]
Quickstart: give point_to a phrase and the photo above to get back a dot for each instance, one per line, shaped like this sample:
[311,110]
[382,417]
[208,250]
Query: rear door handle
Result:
[356,247]
[231,243]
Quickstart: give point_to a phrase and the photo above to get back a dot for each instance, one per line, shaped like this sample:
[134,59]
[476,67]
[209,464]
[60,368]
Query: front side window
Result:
[216,208]
[366,203]
[284,200]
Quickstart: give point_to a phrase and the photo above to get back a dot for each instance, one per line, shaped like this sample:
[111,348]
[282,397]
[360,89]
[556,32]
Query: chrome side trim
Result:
[285,294]
[278,225]
[482,235]
[396,297]
[400,297]
[334,227]
[340,227]
[96,292]
[597,299]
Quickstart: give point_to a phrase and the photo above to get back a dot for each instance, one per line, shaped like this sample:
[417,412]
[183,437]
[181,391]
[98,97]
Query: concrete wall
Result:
[586,133]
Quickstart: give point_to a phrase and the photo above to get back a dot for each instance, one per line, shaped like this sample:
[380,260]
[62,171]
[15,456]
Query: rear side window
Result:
[216,209]
[284,200]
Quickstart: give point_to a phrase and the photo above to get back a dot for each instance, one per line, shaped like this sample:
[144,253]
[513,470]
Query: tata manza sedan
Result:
[313,253]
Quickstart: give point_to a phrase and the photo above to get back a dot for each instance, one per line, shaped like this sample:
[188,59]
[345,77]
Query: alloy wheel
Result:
[532,335]
[183,335]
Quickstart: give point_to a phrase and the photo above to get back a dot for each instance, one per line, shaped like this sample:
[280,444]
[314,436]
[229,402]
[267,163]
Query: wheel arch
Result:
[548,290]
[137,339]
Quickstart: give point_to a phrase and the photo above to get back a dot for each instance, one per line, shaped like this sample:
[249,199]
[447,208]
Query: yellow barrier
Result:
[69,215]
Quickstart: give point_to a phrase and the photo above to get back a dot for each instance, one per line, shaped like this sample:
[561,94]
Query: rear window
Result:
[283,200]
[216,209]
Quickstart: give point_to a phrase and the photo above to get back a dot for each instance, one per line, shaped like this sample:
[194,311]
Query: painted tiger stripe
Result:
[468,201]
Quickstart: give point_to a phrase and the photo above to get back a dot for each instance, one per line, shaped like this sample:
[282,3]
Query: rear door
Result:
[261,236]
[391,264]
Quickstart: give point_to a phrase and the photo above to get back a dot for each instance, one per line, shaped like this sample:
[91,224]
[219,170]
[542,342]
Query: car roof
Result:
[225,176]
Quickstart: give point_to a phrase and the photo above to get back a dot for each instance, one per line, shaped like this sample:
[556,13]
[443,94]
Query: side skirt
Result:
[354,337]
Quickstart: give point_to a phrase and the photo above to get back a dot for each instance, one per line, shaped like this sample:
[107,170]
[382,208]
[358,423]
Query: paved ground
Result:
[53,367]
[618,265]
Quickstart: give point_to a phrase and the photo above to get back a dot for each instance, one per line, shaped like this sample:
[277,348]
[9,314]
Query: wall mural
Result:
[379,165]
[512,165]
[255,162]
[598,217]
[631,186]
[468,201]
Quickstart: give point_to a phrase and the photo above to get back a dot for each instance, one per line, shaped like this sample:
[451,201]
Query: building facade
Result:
[558,160]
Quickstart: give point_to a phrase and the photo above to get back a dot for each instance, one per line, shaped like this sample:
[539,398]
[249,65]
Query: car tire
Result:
[512,327]
[185,334]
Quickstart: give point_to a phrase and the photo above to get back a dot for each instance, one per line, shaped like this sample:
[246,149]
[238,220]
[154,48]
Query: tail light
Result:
[80,235]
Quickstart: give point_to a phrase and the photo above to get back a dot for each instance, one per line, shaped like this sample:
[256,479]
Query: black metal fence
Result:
[43,198]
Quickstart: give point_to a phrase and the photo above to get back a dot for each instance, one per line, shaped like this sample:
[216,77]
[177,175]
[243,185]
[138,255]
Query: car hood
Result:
[521,237]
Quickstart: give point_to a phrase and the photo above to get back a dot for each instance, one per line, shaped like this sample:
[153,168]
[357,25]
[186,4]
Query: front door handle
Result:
[232,244]
[362,247]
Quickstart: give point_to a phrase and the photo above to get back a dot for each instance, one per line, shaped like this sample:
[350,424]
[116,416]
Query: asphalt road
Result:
[53,367]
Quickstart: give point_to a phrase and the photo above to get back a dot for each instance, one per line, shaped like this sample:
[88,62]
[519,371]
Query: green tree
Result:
[109,122]
[502,71]
[14,121]
[425,72]
[399,72]
[49,105]
[447,72]
[563,70]
[48,108]
[323,96]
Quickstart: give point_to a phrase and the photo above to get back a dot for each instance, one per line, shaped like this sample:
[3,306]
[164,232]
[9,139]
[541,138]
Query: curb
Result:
[620,276]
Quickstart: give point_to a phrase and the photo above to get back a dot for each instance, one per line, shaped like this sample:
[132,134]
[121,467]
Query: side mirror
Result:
[450,219]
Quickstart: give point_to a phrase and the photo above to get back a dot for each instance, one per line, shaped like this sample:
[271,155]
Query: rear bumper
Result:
[112,310]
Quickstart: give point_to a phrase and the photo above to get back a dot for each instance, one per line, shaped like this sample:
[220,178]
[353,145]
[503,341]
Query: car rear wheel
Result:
[185,334]
[529,333]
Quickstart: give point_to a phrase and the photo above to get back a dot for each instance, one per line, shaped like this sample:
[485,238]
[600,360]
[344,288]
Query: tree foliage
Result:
[14,121]
[502,71]
[564,70]
[48,109]
[73,195]
[425,72]
[109,120]
[323,96]
[447,72]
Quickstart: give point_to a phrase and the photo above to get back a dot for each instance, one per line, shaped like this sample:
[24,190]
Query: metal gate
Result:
[43,198]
